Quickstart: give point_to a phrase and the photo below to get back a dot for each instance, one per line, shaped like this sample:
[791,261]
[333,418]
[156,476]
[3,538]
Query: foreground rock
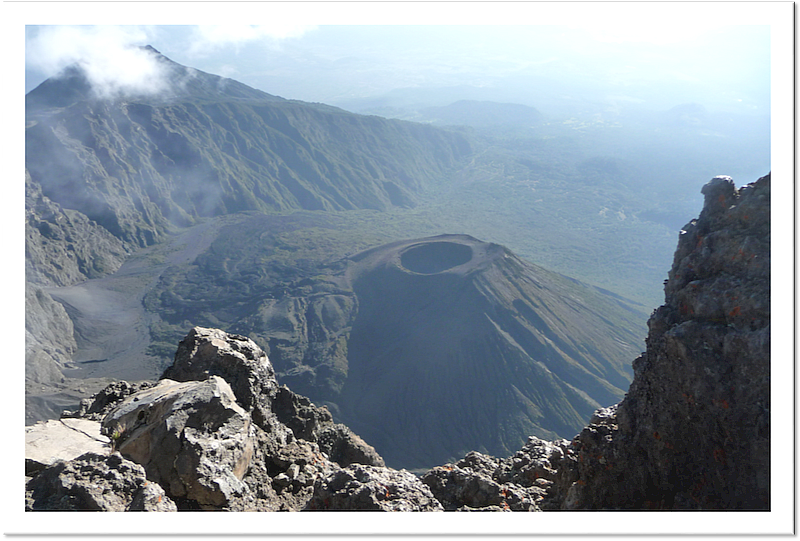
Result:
[370,488]
[693,430]
[95,482]
[61,439]
[485,483]
[221,435]
[192,438]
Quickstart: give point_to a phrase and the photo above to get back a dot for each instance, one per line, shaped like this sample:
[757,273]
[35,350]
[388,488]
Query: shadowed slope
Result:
[470,348]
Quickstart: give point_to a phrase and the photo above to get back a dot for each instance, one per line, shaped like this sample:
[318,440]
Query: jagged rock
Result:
[98,406]
[245,366]
[230,462]
[95,482]
[457,488]
[311,423]
[534,465]
[485,483]
[370,488]
[693,430]
[234,358]
[298,413]
[345,448]
[191,437]
[293,468]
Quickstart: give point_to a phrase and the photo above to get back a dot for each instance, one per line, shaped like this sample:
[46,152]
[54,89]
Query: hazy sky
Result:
[622,59]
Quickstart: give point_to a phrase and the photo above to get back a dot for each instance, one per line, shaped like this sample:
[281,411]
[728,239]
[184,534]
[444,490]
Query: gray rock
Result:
[479,482]
[196,439]
[234,358]
[370,488]
[693,431]
[191,437]
[98,406]
[345,448]
[95,482]
[274,408]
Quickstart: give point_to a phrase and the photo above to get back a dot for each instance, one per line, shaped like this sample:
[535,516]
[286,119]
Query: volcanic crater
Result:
[435,257]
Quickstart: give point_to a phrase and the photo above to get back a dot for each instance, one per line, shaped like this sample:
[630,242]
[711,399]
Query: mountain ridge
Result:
[74,84]
[141,166]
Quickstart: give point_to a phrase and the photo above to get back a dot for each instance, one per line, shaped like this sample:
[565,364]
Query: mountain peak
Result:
[143,74]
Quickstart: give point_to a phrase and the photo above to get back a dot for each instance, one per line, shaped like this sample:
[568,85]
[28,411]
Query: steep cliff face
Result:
[62,246]
[693,432]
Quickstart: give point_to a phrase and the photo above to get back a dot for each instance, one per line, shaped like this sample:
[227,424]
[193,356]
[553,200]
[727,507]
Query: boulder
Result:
[238,360]
[370,488]
[95,482]
[198,439]
[234,358]
[191,437]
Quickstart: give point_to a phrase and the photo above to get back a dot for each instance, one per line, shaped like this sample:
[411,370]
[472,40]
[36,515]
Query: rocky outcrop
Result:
[222,435]
[95,482]
[693,430]
[369,488]
[192,438]
[483,483]
[234,358]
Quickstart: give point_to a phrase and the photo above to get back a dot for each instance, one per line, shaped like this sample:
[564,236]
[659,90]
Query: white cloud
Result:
[209,38]
[109,55]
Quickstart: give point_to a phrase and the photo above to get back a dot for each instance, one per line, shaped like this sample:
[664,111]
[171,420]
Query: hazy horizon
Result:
[559,69]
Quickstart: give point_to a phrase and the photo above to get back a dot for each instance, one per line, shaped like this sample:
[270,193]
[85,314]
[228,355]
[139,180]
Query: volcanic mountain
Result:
[141,163]
[433,347]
